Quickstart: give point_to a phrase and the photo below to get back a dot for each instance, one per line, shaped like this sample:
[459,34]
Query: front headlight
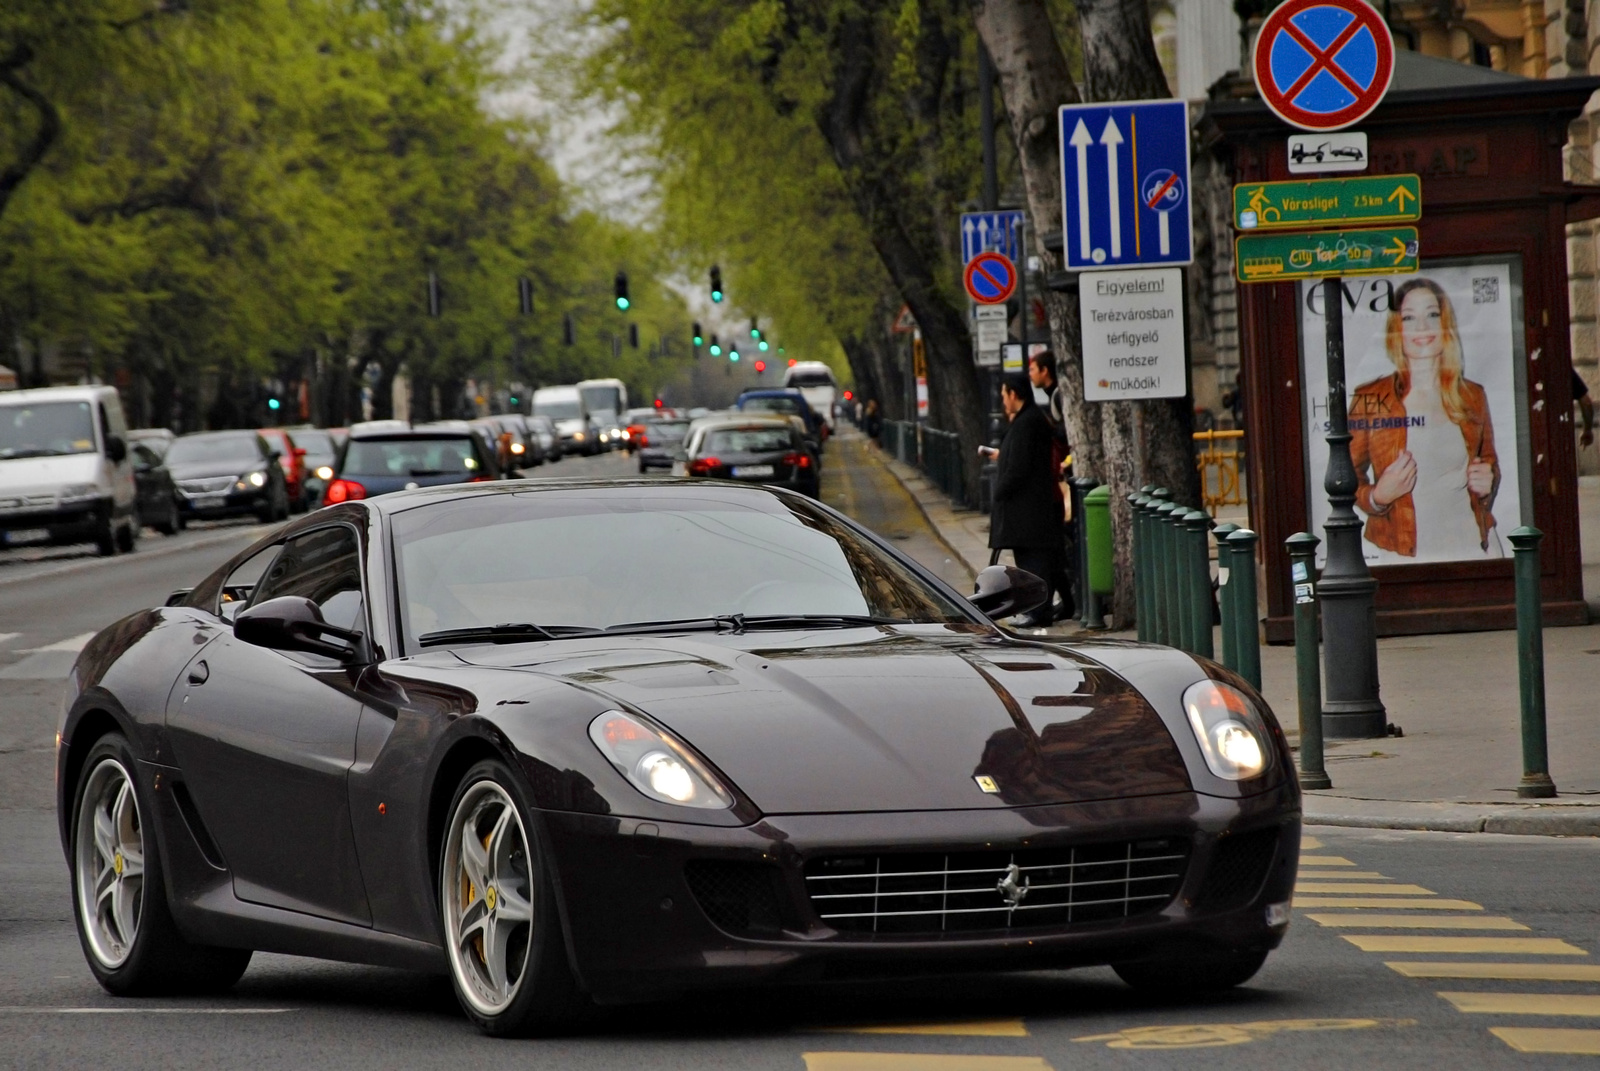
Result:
[257,479]
[655,763]
[324,472]
[1232,734]
[75,491]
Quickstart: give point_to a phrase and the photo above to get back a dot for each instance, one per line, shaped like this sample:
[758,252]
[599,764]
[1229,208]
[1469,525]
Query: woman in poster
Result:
[1422,440]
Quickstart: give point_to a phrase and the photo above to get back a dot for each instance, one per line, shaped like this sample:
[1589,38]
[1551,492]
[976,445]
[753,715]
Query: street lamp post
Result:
[1351,709]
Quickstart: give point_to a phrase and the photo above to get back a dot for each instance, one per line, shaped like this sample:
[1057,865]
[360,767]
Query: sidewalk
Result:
[1453,696]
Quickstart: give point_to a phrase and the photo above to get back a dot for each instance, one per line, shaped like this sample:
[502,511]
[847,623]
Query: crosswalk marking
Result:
[1358,887]
[1347,875]
[918,1061]
[1510,946]
[1325,860]
[1520,972]
[1387,901]
[1525,1003]
[980,1028]
[1307,843]
[1419,922]
[1560,1040]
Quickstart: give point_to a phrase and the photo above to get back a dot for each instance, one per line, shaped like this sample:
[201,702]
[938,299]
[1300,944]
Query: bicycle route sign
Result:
[1279,258]
[1303,204]
[990,278]
[1323,64]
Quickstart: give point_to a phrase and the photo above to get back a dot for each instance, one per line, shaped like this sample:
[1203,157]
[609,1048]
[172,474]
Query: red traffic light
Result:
[658,403]
[791,362]
[761,366]
[848,395]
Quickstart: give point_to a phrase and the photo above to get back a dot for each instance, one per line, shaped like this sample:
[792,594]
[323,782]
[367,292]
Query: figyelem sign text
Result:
[1133,334]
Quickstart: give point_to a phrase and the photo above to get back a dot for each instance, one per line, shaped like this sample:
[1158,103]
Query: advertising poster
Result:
[1431,364]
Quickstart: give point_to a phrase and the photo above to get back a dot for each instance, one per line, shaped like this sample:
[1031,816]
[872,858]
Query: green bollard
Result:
[1536,783]
[1307,662]
[1247,625]
[1141,579]
[1158,548]
[1182,593]
[1144,587]
[1102,579]
[1197,525]
[1221,533]
[1169,573]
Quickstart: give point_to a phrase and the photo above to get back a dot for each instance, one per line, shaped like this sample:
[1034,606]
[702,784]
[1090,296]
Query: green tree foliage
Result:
[259,188]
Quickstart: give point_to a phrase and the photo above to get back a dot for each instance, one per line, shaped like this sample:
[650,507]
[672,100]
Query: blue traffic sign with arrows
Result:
[990,232]
[1125,184]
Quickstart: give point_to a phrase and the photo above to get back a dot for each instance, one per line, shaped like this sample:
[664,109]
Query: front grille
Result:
[737,897]
[208,485]
[996,890]
[45,501]
[1239,865]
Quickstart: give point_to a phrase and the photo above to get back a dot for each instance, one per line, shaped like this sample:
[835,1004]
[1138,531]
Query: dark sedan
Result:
[751,450]
[390,456]
[227,473]
[594,742]
[159,506]
[659,442]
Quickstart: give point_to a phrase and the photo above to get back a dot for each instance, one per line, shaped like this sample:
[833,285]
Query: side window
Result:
[241,583]
[143,456]
[323,566]
[105,424]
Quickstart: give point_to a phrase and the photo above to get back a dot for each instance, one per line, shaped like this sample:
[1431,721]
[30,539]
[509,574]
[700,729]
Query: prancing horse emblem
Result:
[1014,890]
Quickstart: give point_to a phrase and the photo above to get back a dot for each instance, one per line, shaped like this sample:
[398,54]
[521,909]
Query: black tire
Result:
[157,960]
[544,999]
[128,536]
[1193,973]
[172,522]
[105,539]
[282,511]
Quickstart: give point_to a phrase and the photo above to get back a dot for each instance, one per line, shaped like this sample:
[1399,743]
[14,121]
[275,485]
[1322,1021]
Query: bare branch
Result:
[49,122]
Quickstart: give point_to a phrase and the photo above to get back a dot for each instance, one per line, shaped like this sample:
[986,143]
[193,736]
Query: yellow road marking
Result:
[1357,887]
[1419,922]
[1386,901]
[1217,1035]
[1309,842]
[976,1028]
[1344,875]
[1510,946]
[1525,1003]
[1528,972]
[1565,1041]
[1324,860]
[916,1061]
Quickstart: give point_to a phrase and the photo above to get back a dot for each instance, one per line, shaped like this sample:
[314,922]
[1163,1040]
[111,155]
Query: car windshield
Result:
[412,456]
[788,405]
[316,443]
[810,379]
[599,558]
[191,448]
[567,410]
[46,429]
[748,440]
[671,431]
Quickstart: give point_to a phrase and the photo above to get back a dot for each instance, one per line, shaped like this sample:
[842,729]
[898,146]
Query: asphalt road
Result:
[1397,956]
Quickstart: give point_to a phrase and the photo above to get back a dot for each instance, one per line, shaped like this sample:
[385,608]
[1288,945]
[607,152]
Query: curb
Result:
[1547,820]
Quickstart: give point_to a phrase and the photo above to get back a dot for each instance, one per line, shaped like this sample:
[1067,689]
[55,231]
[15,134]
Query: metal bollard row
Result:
[1172,581]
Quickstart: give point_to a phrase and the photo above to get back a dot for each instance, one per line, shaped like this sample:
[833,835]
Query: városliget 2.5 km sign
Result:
[1299,205]
[1133,334]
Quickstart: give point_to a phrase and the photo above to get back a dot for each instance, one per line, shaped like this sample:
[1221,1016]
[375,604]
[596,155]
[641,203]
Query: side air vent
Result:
[197,828]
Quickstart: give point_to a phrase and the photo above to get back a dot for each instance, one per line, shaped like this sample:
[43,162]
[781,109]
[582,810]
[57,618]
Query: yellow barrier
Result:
[1219,471]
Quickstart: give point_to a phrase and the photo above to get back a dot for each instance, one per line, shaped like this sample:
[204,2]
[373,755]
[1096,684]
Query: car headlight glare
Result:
[655,763]
[324,472]
[257,479]
[1232,734]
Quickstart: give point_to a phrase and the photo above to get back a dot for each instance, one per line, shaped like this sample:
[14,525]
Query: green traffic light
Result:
[273,403]
[622,303]
[763,345]
[733,355]
[716,350]
[698,340]
[716,295]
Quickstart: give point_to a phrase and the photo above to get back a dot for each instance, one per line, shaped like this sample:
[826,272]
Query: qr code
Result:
[1485,291]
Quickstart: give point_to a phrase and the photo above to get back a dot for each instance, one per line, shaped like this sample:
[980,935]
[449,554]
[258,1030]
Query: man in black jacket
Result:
[1026,518]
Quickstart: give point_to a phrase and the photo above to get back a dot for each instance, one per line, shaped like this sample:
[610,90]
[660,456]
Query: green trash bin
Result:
[1097,530]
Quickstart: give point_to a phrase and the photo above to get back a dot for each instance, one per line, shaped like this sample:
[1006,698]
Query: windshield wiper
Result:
[512,632]
[736,623]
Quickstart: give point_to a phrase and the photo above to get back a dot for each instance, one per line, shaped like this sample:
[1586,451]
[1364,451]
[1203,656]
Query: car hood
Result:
[194,470]
[21,474]
[881,719]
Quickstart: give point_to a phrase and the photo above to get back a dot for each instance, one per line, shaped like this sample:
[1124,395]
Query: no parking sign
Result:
[1323,64]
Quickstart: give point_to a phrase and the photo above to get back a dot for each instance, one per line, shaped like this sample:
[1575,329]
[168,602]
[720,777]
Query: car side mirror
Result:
[1004,590]
[294,623]
[116,449]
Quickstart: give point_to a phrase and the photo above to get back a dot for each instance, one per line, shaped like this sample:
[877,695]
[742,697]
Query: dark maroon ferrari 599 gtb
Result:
[581,743]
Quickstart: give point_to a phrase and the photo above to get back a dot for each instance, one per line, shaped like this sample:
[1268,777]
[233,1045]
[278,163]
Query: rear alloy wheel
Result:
[120,904]
[507,956]
[1194,973]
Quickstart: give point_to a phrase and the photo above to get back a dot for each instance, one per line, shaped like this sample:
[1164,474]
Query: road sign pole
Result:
[1349,593]
[1022,286]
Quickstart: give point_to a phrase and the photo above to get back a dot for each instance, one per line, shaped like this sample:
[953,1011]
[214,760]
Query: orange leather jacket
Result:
[1378,434]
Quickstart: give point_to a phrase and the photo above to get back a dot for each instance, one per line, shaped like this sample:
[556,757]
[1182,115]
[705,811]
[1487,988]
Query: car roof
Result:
[55,394]
[451,429]
[401,501]
[221,433]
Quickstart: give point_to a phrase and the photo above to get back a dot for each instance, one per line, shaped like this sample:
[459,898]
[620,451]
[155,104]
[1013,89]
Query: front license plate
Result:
[208,501]
[751,470]
[28,535]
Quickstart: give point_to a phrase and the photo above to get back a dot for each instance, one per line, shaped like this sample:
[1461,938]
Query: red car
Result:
[292,459]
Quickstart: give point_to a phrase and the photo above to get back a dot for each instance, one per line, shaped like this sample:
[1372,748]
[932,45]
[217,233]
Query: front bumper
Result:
[637,930]
[67,522]
[230,504]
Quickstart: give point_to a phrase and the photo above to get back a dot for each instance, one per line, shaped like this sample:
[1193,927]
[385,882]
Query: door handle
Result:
[199,673]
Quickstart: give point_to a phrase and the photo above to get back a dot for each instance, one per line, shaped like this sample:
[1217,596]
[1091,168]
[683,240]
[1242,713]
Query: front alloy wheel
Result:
[110,863]
[502,933]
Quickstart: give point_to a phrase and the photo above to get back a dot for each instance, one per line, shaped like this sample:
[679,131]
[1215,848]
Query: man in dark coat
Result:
[1026,518]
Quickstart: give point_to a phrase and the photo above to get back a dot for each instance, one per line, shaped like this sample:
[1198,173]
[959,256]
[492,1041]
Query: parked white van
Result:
[814,380]
[565,408]
[65,474]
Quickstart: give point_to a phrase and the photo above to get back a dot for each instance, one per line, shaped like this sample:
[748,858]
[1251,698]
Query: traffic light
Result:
[761,367]
[791,360]
[733,355]
[274,404]
[512,399]
[762,345]
[716,348]
[716,284]
[633,335]
[699,338]
[620,285]
[755,328]
[568,336]
[525,295]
